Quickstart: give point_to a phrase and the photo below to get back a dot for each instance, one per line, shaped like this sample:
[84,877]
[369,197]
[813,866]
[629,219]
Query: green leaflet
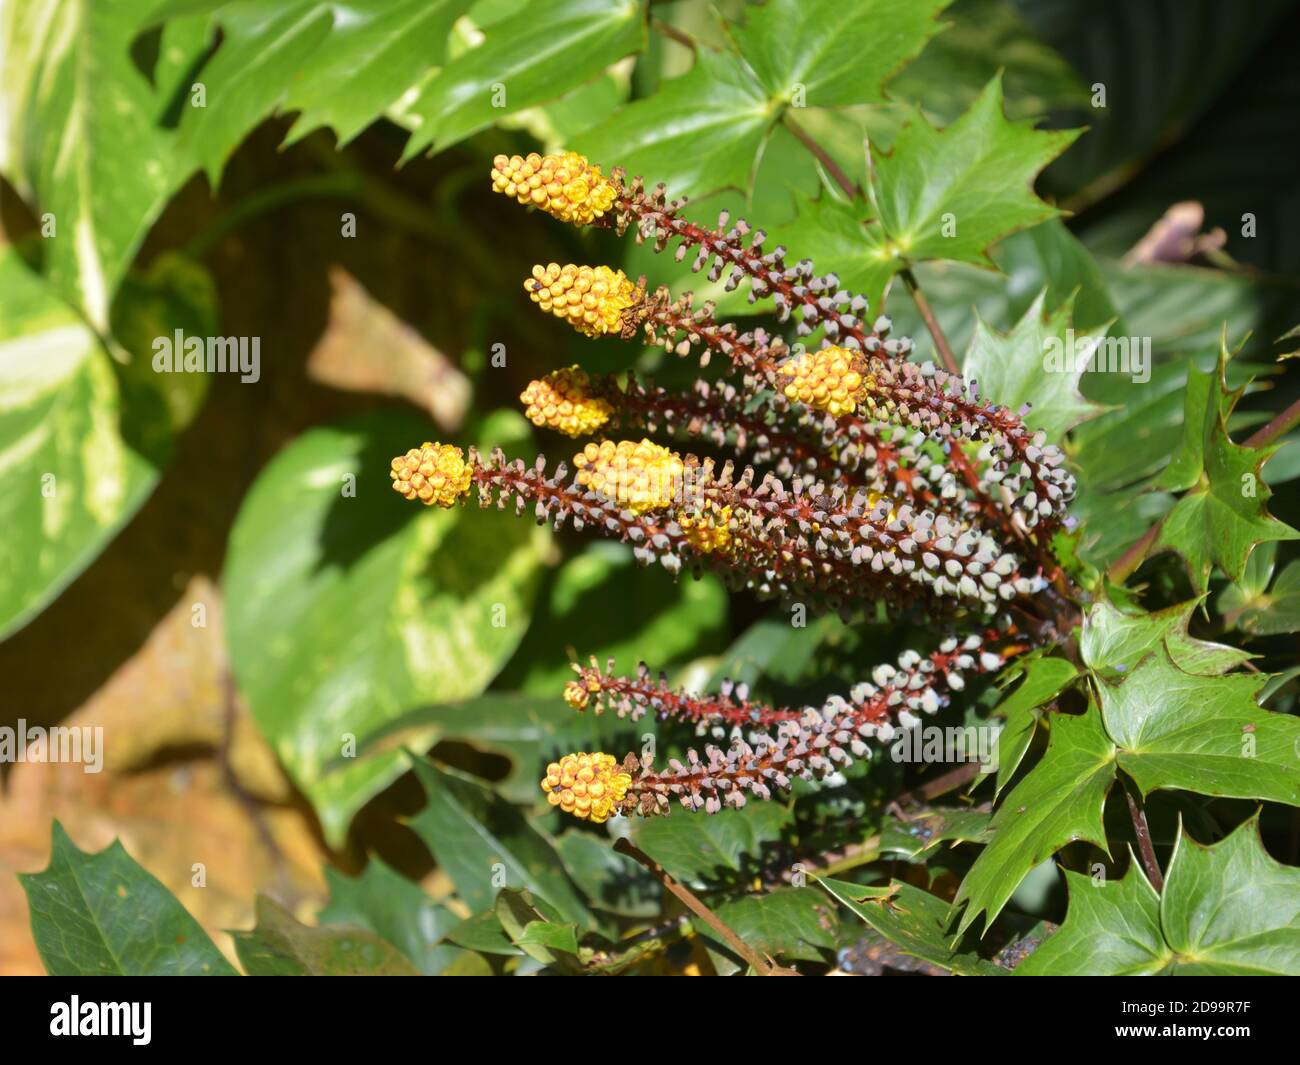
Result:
[104,915]
[1226,910]
[282,946]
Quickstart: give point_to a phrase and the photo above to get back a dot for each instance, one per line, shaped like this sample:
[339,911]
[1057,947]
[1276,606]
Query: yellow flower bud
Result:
[593,299]
[827,380]
[577,695]
[708,529]
[566,186]
[588,786]
[432,473]
[641,476]
[562,401]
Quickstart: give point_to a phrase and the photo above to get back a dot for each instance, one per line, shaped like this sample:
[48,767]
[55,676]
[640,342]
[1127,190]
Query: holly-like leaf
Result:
[1044,679]
[1112,929]
[396,909]
[1115,642]
[813,51]
[79,141]
[1203,734]
[1059,801]
[1224,514]
[320,540]
[474,834]
[280,945]
[913,920]
[104,915]
[700,132]
[539,54]
[1226,910]
[949,194]
[1038,362]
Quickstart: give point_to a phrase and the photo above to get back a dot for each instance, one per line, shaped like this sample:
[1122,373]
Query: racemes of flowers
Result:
[860,477]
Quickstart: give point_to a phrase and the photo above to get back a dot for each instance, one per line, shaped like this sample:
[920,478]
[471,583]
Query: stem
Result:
[674,34]
[1280,425]
[931,322]
[1145,847]
[762,965]
[822,155]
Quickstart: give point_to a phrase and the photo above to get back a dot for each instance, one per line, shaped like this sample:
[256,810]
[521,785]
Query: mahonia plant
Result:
[860,478]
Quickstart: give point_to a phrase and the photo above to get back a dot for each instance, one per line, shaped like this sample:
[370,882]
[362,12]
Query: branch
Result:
[761,964]
[822,155]
[931,322]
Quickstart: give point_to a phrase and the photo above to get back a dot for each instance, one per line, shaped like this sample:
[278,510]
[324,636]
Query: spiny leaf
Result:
[1114,641]
[1059,801]
[1044,679]
[1224,515]
[1226,910]
[949,194]
[104,915]
[1038,362]
[1203,734]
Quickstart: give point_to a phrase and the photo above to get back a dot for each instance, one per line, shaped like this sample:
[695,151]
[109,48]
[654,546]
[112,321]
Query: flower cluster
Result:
[862,477]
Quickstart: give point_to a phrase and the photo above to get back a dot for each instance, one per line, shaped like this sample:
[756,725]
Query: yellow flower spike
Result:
[565,186]
[641,476]
[827,380]
[593,299]
[708,529]
[432,473]
[562,401]
[589,786]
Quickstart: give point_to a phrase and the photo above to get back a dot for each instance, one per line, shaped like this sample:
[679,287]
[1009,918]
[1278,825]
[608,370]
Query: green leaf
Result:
[541,53]
[348,606]
[911,919]
[949,194]
[1267,613]
[695,848]
[535,928]
[1226,910]
[474,836]
[1224,516]
[79,141]
[1114,641]
[923,831]
[700,132]
[812,51]
[1203,734]
[282,946]
[69,477]
[1059,801]
[789,924]
[585,614]
[1038,362]
[1112,929]
[1044,679]
[104,915]
[610,880]
[395,909]
[378,49]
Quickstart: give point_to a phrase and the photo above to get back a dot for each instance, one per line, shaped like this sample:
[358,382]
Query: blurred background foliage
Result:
[215,601]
